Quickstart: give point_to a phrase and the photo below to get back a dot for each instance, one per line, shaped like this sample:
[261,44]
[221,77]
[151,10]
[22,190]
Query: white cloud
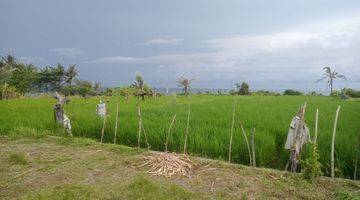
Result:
[32,60]
[68,52]
[295,55]
[162,41]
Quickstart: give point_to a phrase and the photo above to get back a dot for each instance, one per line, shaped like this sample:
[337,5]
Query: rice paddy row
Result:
[210,124]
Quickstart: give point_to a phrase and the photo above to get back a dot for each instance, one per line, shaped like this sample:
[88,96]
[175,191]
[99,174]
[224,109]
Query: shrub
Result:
[265,93]
[311,165]
[8,92]
[292,92]
[352,93]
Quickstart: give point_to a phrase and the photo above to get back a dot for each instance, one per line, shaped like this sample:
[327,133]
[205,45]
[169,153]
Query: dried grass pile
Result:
[168,164]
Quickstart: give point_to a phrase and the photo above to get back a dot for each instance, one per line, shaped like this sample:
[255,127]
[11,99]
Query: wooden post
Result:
[253,147]
[169,132]
[140,124]
[232,129]
[316,125]
[247,143]
[333,143]
[187,125]
[116,121]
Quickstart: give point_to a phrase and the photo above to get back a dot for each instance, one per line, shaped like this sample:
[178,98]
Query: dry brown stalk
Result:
[333,143]
[168,164]
[169,133]
[247,143]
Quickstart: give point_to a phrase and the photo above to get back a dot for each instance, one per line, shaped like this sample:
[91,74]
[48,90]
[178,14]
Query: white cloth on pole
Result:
[101,109]
[67,124]
[297,138]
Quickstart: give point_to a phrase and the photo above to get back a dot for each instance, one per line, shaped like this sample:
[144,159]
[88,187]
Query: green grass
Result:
[80,168]
[17,159]
[210,124]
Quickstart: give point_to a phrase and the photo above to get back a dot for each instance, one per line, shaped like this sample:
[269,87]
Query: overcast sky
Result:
[272,45]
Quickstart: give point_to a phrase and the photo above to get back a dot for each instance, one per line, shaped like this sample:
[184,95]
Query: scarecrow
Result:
[101,110]
[59,114]
[298,135]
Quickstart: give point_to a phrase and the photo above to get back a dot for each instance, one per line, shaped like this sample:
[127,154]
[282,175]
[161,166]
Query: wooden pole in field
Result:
[140,124]
[333,143]
[247,143]
[232,129]
[187,125]
[316,125]
[169,132]
[116,121]
[355,170]
[253,147]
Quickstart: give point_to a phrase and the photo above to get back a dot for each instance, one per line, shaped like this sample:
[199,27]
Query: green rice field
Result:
[210,124]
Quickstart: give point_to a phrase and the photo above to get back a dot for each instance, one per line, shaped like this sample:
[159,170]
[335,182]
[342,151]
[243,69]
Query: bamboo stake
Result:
[140,124]
[169,132]
[316,125]
[333,143]
[355,170]
[187,125]
[247,143]
[232,129]
[116,121]
[253,147]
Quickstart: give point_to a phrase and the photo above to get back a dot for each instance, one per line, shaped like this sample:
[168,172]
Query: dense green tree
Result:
[24,77]
[243,88]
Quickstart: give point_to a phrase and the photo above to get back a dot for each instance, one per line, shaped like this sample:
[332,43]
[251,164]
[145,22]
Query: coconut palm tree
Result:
[331,75]
[7,66]
[185,83]
[139,85]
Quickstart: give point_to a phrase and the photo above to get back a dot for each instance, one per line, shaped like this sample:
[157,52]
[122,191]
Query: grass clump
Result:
[18,159]
[142,188]
[70,191]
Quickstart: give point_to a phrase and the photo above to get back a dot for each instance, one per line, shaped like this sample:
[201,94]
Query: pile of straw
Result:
[168,164]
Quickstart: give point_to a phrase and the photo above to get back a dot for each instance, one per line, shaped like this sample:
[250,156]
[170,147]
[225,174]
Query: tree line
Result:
[18,78]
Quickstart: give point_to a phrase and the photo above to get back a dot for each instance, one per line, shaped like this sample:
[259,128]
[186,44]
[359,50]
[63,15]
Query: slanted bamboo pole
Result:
[232,129]
[247,143]
[146,140]
[187,125]
[316,126]
[355,170]
[169,132]
[333,143]
[140,124]
[253,147]
[116,121]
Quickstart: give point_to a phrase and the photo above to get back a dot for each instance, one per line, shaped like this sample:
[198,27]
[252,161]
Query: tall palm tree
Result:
[7,66]
[185,83]
[139,86]
[331,75]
